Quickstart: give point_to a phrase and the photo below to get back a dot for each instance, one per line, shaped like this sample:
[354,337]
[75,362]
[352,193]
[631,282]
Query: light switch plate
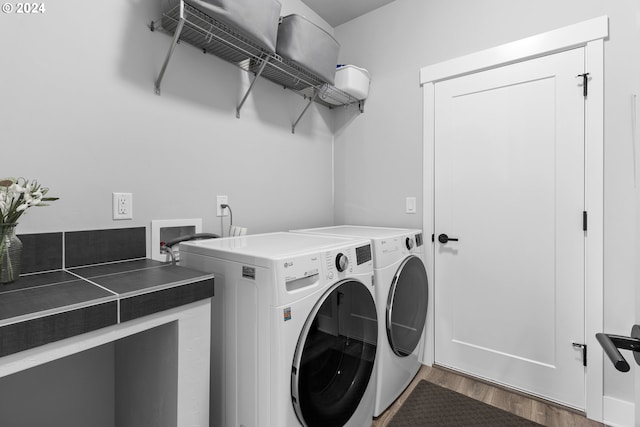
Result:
[410,205]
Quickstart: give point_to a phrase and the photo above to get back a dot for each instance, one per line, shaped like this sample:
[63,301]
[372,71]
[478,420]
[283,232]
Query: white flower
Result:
[18,195]
[16,188]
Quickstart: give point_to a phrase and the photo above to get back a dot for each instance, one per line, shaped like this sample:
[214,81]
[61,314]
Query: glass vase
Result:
[10,253]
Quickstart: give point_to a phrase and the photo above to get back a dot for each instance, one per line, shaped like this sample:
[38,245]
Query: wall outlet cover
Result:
[122,206]
[222,200]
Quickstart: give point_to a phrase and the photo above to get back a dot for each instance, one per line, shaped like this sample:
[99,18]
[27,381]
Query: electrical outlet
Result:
[222,200]
[122,206]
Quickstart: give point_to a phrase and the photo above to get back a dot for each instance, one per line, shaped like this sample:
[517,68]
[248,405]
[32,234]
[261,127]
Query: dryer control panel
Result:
[389,250]
[412,241]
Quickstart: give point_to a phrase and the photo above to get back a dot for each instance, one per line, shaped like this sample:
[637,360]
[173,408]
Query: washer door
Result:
[407,306]
[334,357]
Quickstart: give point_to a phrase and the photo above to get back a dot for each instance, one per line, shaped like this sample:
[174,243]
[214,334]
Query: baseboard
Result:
[618,413]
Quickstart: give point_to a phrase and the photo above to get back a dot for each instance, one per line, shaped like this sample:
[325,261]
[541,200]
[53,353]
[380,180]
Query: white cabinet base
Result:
[157,366]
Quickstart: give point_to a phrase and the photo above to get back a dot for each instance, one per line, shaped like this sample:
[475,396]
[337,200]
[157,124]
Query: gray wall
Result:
[378,156]
[78,112]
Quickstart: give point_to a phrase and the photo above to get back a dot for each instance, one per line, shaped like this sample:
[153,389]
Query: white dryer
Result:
[402,299]
[296,330]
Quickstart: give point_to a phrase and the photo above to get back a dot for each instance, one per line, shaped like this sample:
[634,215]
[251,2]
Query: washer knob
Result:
[342,262]
[410,243]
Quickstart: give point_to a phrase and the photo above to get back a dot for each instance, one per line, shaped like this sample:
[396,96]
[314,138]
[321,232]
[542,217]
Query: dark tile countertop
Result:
[42,308]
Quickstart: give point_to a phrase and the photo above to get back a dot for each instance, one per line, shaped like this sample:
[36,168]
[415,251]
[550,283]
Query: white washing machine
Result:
[402,300]
[295,333]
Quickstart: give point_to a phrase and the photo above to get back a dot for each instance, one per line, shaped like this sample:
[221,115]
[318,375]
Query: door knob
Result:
[611,343]
[443,238]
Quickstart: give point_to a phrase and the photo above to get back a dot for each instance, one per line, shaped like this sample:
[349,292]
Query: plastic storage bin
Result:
[257,20]
[353,80]
[308,45]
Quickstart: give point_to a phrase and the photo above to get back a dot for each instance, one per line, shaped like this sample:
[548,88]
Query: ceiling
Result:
[337,12]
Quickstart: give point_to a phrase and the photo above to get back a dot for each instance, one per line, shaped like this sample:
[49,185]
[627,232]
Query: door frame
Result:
[589,34]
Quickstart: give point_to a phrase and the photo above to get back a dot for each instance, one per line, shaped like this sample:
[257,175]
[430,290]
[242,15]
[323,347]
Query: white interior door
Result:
[635,366]
[509,184]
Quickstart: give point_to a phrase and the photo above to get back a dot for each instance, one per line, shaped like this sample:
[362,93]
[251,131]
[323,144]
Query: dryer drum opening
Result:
[407,306]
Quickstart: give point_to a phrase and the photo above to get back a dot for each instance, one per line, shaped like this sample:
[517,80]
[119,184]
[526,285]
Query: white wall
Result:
[378,156]
[75,391]
[78,112]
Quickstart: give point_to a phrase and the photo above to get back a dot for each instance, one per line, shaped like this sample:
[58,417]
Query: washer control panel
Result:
[348,260]
[342,262]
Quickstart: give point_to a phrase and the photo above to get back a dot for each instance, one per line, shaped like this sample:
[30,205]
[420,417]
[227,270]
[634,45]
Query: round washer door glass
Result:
[407,306]
[334,357]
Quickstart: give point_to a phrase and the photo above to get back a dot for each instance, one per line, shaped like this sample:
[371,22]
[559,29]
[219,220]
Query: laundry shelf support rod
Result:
[174,43]
[311,101]
[253,82]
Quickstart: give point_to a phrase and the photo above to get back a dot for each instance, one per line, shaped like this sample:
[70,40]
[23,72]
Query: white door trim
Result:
[565,38]
[590,35]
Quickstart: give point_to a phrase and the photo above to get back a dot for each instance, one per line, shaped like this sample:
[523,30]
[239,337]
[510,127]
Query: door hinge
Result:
[433,238]
[585,83]
[584,220]
[582,347]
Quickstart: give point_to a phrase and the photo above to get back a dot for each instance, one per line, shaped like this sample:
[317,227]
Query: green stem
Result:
[5,262]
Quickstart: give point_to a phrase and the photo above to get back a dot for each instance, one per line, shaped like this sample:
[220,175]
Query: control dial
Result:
[342,262]
[409,243]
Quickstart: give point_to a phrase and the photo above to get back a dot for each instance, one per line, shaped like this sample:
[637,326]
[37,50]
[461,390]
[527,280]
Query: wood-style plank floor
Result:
[540,411]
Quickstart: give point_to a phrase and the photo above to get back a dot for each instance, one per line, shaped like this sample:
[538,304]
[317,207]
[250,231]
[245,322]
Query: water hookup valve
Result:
[166,247]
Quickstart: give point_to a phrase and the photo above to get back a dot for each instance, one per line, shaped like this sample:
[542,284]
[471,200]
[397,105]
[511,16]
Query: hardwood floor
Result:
[542,412]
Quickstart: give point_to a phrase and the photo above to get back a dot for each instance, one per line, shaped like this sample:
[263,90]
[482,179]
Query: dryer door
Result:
[407,306]
[334,357]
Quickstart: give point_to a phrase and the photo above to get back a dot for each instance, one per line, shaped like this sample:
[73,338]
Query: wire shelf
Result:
[212,36]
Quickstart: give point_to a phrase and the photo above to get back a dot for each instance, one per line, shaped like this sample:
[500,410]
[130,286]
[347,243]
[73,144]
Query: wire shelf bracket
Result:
[311,101]
[174,43]
[253,82]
